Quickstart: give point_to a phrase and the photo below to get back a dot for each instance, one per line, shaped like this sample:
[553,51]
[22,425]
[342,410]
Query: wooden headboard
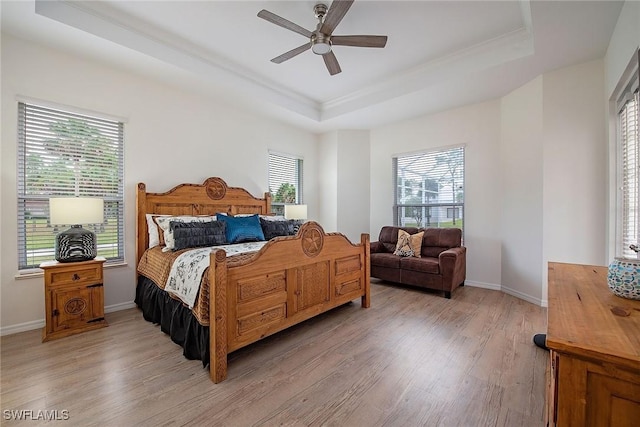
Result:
[208,198]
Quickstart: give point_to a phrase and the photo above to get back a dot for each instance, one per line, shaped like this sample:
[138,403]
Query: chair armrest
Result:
[453,267]
[452,253]
[377,247]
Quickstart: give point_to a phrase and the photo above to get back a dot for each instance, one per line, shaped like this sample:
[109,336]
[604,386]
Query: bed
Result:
[244,298]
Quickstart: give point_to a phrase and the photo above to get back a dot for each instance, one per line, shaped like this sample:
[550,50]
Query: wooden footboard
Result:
[290,280]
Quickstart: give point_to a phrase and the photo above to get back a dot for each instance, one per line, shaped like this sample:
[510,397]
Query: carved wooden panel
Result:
[264,317]
[211,209]
[313,285]
[248,209]
[348,287]
[312,239]
[73,307]
[347,264]
[216,188]
[256,287]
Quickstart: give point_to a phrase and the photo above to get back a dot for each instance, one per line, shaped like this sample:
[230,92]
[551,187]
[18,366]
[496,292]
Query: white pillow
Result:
[152,228]
[165,224]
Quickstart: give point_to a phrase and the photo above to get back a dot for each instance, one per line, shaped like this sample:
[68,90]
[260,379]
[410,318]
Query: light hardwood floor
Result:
[418,360]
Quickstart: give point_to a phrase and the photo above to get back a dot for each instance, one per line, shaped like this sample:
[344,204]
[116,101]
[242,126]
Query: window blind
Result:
[67,154]
[285,180]
[630,173]
[429,188]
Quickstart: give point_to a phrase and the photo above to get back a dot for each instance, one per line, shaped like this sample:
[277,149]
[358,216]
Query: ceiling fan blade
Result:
[284,23]
[293,52]
[359,41]
[332,63]
[336,12]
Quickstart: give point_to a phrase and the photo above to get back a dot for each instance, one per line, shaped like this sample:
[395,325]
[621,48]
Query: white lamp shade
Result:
[76,210]
[295,211]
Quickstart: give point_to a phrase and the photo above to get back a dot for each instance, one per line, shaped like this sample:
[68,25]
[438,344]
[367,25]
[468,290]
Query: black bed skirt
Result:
[175,320]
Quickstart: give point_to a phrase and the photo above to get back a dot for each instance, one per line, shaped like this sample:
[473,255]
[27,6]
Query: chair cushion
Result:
[437,240]
[385,260]
[423,265]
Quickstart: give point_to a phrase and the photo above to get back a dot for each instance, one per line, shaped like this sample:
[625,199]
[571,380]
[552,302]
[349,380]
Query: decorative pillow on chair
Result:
[242,229]
[198,234]
[409,244]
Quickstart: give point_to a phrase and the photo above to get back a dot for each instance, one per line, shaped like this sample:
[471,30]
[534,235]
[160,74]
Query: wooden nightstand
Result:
[74,297]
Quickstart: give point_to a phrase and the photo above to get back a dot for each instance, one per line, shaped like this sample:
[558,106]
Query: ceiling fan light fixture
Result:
[321,40]
[321,47]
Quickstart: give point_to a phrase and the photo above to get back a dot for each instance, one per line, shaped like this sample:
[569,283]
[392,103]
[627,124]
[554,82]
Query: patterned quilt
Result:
[187,270]
[187,286]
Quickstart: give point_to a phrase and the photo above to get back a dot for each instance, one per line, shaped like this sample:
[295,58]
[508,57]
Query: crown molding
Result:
[98,19]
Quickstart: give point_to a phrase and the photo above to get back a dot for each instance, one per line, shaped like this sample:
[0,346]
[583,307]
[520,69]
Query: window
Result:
[628,169]
[67,154]
[285,181]
[429,188]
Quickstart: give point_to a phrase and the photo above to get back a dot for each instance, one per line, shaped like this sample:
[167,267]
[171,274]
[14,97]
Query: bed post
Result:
[267,201]
[366,298]
[141,222]
[218,316]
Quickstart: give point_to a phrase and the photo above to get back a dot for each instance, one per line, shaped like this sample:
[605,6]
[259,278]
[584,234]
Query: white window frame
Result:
[293,165]
[36,121]
[441,205]
[627,146]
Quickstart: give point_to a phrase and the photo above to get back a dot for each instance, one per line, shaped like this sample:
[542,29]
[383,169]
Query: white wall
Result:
[521,198]
[624,42]
[353,173]
[328,180]
[343,174]
[574,166]
[478,127]
[170,137]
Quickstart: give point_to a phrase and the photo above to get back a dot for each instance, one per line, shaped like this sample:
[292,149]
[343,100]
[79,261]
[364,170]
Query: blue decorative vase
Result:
[624,278]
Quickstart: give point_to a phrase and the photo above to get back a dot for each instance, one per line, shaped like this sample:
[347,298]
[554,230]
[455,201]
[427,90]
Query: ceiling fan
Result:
[321,40]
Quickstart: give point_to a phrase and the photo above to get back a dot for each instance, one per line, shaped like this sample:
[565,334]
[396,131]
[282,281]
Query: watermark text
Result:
[35,415]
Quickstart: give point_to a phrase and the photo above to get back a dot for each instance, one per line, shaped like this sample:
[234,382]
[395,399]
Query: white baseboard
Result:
[118,307]
[39,324]
[22,327]
[523,296]
[483,285]
[507,290]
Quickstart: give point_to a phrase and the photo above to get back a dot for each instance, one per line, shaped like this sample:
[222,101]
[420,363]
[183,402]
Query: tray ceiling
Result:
[439,54]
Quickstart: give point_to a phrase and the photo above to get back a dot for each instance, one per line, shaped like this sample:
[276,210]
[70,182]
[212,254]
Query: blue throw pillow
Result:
[242,228]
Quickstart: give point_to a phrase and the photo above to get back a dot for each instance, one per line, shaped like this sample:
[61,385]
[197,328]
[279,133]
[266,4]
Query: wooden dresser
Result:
[594,341]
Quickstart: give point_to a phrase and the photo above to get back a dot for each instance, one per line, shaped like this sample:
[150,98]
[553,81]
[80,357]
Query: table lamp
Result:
[76,243]
[295,212]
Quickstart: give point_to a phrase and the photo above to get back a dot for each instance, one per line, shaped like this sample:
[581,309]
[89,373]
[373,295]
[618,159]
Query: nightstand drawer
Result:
[74,274]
